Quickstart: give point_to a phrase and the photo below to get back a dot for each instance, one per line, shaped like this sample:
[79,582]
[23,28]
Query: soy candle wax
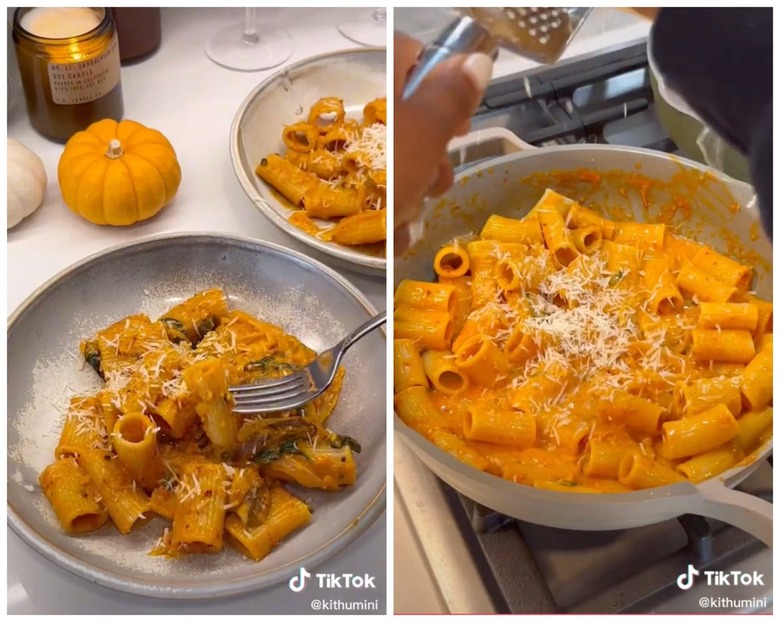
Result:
[70,68]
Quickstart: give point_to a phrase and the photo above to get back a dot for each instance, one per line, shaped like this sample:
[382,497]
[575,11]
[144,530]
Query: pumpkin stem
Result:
[114,149]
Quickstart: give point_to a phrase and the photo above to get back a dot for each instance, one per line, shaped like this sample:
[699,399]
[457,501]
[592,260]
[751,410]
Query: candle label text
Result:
[85,81]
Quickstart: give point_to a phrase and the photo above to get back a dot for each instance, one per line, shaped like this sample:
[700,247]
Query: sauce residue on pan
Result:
[736,248]
[304,223]
[299,219]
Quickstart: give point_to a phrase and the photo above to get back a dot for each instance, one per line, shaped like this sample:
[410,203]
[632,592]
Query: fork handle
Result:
[362,330]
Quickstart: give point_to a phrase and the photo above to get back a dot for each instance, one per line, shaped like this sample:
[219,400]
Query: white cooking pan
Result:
[723,211]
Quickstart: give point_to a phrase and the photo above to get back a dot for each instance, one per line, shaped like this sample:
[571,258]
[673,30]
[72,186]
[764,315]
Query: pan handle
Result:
[484,145]
[749,513]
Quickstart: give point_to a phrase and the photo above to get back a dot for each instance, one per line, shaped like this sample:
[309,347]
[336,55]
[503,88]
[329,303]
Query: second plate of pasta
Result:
[308,149]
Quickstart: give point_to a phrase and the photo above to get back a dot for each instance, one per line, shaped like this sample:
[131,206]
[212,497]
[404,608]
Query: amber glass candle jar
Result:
[70,68]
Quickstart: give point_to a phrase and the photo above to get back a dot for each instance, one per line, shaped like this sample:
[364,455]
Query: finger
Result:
[463,128]
[407,236]
[405,54]
[444,179]
[449,96]
[401,240]
[406,50]
[429,119]
[406,212]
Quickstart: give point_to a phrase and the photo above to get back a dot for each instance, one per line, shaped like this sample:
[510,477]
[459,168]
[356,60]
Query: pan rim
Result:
[730,182]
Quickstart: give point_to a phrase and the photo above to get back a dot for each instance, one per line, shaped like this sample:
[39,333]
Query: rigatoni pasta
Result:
[511,230]
[694,281]
[160,440]
[286,513]
[443,373]
[451,262]
[334,170]
[408,367]
[84,428]
[361,228]
[73,496]
[135,442]
[583,354]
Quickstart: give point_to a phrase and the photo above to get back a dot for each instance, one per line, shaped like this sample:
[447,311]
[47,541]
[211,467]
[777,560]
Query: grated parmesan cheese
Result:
[371,144]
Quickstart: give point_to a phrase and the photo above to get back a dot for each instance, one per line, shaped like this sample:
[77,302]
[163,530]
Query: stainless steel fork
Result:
[302,386]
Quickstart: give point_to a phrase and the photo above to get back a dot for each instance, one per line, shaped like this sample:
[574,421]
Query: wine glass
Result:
[370,30]
[249,46]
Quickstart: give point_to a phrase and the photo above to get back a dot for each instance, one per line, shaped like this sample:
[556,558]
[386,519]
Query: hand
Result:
[439,110]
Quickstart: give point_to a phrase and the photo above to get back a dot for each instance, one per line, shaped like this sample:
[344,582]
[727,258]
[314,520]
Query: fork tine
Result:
[295,390]
[271,382]
[274,406]
[289,403]
[265,401]
[262,399]
[298,385]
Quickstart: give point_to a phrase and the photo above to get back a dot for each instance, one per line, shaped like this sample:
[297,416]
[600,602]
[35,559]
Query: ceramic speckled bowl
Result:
[307,299]
[355,76]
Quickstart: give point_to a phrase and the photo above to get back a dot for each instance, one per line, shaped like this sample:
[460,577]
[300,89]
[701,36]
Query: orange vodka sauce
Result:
[600,350]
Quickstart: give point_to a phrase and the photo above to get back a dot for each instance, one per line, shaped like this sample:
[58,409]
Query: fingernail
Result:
[479,69]
[415,230]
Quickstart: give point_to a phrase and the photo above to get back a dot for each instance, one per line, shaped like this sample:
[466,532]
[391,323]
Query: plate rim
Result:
[86,570]
[374,265]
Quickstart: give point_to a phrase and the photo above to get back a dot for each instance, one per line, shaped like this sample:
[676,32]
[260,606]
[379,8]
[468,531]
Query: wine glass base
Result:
[226,47]
[372,34]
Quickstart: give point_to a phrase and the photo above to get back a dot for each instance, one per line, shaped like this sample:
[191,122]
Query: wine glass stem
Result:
[250,30]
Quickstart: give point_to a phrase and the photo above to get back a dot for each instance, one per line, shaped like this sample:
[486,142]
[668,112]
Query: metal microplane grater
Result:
[540,34]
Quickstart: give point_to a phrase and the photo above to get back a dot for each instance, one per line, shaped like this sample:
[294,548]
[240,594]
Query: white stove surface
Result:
[193,101]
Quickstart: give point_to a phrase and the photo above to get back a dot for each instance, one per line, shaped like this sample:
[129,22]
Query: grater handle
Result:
[463,36]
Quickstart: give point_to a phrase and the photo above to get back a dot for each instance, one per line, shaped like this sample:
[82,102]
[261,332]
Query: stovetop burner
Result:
[547,570]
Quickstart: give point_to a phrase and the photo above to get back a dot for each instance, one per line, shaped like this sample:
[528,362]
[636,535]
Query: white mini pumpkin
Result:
[26,182]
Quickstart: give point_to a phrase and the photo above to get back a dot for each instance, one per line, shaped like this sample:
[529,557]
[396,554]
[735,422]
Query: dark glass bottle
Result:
[139,30]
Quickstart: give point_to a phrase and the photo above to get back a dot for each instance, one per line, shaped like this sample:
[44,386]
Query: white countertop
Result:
[182,93]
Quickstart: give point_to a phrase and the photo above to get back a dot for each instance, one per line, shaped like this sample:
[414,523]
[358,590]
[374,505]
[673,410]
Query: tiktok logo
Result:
[685,580]
[298,582]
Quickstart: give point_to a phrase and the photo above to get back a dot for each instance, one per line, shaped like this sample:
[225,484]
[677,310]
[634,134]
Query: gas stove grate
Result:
[606,98]
[532,568]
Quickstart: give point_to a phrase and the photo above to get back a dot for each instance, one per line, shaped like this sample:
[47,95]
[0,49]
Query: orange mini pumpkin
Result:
[118,173]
